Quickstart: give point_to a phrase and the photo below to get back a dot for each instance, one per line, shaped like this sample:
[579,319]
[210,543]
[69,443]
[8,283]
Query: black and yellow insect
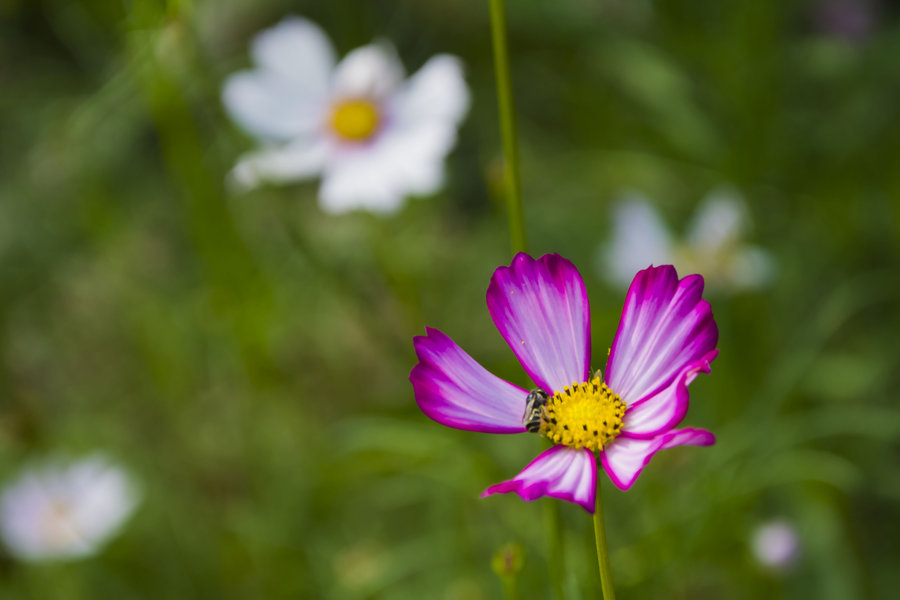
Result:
[534,405]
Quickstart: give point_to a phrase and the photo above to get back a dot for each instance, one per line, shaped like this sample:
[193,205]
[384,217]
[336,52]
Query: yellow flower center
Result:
[355,120]
[56,528]
[583,415]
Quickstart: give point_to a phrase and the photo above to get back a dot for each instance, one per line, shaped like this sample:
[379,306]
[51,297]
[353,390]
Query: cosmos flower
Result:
[713,244]
[775,545]
[374,137]
[666,336]
[64,512]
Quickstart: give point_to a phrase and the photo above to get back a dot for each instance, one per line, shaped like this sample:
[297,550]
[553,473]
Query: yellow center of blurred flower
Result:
[56,529]
[583,415]
[355,120]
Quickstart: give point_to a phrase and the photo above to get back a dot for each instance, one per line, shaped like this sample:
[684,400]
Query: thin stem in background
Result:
[518,240]
[508,128]
[602,554]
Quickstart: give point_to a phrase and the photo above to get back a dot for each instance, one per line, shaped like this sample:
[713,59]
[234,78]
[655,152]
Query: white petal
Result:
[752,267]
[270,106]
[776,544]
[58,512]
[372,71]
[436,92]
[298,160]
[639,239]
[414,157]
[296,49]
[378,176]
[358,183]
[718,222]
[105,498]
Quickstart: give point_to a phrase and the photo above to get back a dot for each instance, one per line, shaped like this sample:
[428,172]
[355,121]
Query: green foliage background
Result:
[246,356]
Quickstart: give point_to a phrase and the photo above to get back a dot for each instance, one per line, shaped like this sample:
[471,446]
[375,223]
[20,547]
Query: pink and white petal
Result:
[269,106]
[298,50]
[625,458]
[656,414]
[666,325]
[541,309]
[372,71]
[560,472]
[454,390]
[301,159]
[436,93]
[638,238]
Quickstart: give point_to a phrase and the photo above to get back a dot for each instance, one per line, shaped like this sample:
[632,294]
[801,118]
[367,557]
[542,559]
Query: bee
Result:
[534,405]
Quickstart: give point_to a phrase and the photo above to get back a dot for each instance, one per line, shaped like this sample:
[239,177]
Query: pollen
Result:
[583,415]
[355,120]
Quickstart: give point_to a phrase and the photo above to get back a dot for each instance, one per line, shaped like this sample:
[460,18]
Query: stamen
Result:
[583,415]
[355,120]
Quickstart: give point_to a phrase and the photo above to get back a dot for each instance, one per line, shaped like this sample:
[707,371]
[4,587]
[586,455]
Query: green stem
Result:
[602,554]
[508,127]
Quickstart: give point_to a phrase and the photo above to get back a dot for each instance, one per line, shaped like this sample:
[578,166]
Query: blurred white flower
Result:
[775,545]
[374,137]
[62,511]
[712,247]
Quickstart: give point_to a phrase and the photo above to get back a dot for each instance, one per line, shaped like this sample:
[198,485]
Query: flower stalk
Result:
[508,128]
[606,584]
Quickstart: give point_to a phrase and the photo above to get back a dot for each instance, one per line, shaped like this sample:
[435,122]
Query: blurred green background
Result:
[246,356]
